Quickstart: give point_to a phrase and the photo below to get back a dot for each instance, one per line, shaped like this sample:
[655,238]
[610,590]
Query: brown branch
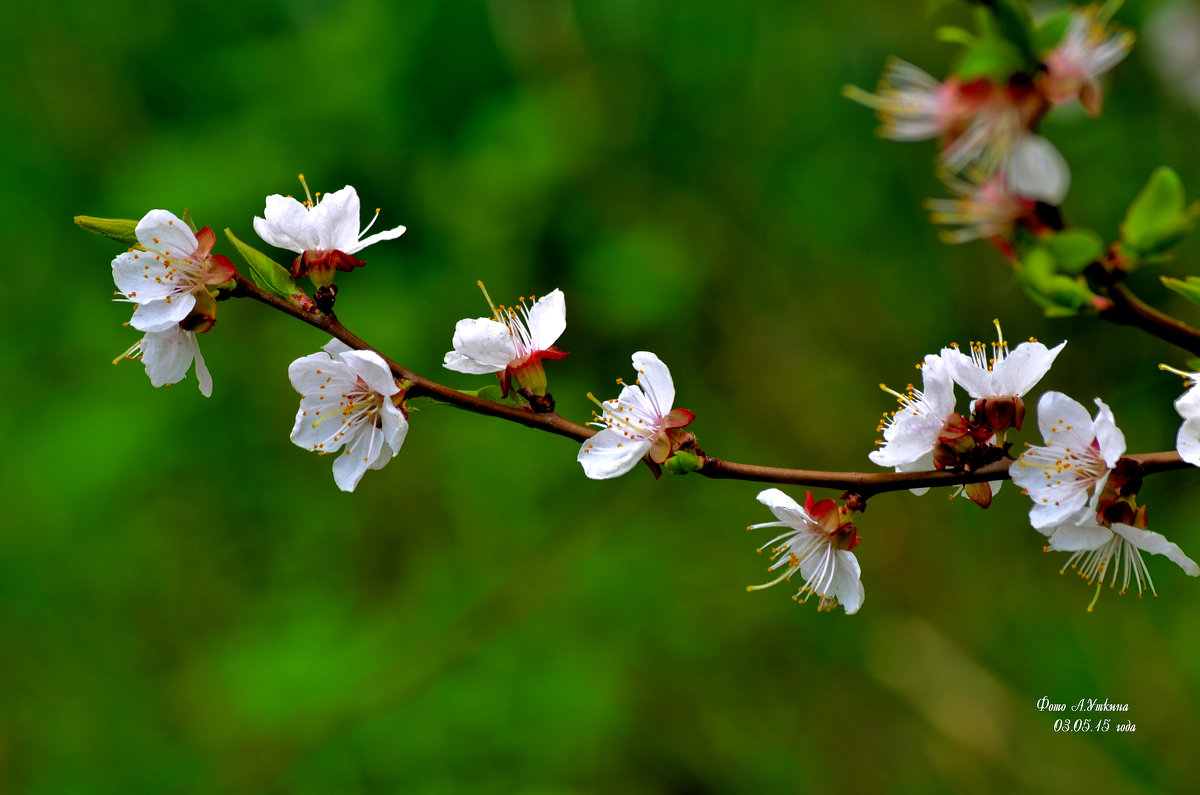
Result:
[863,484]
[420,387]
[1128,309]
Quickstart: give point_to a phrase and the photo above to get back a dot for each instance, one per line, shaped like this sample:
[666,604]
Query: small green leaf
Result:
[995,60]
[1158,219]
[1075,249]
[187,219]
[1192,364]
[118,229]
[1189,289]
[1058,295]
[494,393]
[266,272]
[956,35]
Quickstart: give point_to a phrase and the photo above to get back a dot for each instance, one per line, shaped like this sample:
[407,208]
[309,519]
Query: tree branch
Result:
[863,484]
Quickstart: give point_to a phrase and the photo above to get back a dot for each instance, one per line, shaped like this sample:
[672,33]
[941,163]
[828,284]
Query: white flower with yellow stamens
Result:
[1113,552]
[348,399]
[818,545]
[1003,374]
[513,342]
[640,420]
[910,433]
[1074,465]
[1088,49]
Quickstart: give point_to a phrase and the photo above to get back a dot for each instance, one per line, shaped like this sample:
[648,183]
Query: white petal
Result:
[335,348]
[160,230]
[335,219]
[847,582]
[655,380]
[1108,435]
[786,509]
[287,225]
[481,345]
[1057,412]
[970,376]
[547,319]
[166,355]
[1066,502]
[395,426]
[1072,537]
[1188,404]
[1020,371]
[1156,544]
[363,451]
[390,234]
[610,454]
[162,315]
[143,276]
[1187,441]
[203,377]
[1036,170]
[371,368]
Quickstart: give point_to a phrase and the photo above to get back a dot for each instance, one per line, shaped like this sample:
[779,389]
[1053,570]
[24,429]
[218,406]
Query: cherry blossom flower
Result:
[348,398]
[1072,468]
[1099,551]
[982,210]
[324,233]
[1036,170]
[639,421]
[910,433]
[168,355]
[997,383]
[513,342]
[913,106]
[818,545]
[1187,441]
[1088,49]
[169,278]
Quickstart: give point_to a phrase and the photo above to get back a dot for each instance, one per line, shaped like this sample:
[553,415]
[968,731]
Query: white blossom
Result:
[1074,465]
[818,547]
[347,400]
[638,421]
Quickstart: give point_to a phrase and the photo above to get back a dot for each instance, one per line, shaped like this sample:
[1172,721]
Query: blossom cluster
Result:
[985,118]
[1083,490]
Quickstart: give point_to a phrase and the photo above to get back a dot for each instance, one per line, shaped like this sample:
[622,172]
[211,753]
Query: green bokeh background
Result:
[188,604]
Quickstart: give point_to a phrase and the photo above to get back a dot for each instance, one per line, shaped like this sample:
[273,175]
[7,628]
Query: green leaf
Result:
[1051,31]
[1158,219]
[494,393]
[995,60]
[1189,289]
[118,229]
[1058,295]
[266,272]
[187,219]
[1074,249]
[956,35]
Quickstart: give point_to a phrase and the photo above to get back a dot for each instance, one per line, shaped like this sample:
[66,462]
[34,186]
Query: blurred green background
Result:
[188,604]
